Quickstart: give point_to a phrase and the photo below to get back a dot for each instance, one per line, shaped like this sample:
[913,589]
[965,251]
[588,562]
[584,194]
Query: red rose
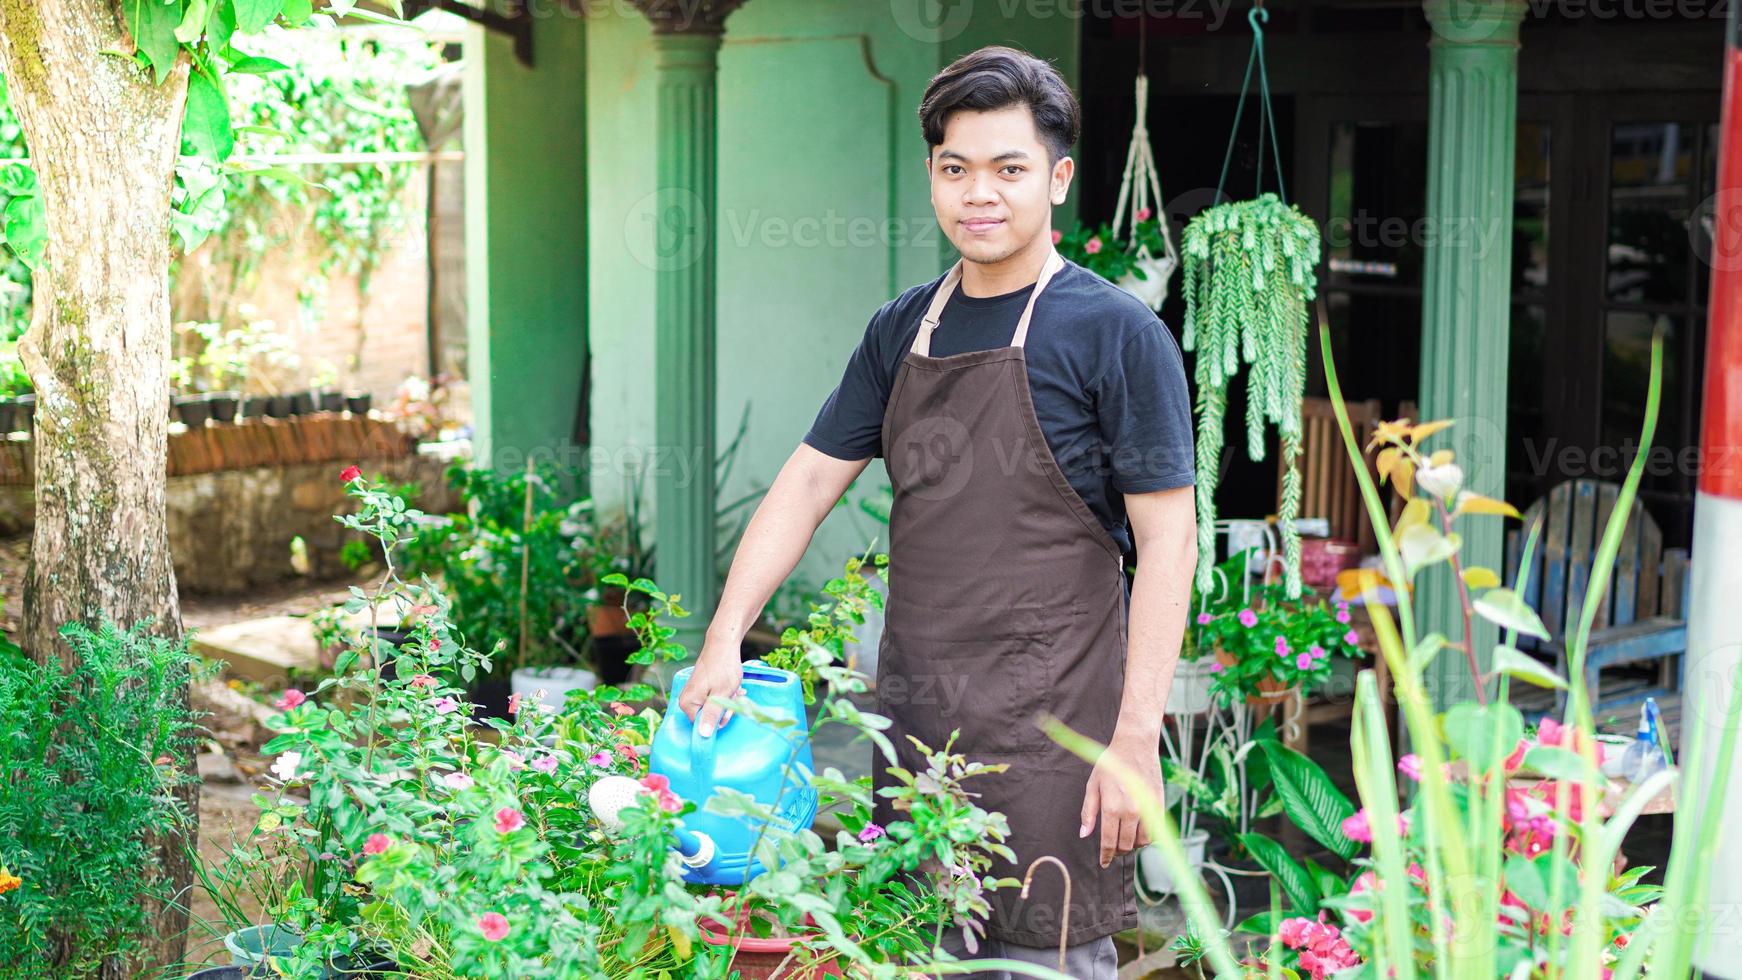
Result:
[351,473]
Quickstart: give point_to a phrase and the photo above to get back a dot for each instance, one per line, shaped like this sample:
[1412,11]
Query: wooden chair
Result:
[1328,487]
[1643,615]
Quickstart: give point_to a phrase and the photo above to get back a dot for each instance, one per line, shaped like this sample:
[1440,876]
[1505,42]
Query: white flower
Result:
[285,767]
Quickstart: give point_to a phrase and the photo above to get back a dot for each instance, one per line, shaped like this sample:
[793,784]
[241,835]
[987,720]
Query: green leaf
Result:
[1422,546]
[1516,663]
[297,12]
[153,24]
[193,21]
[1297,884]
[1531,880]
[1483,734]
[206,126]
[1426,649]
[1506,609]
[1309,798]
[1556,763]
[26,228]
[254,15]
[251,64]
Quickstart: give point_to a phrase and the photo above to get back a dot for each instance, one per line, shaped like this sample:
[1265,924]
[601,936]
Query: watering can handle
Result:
[702,752]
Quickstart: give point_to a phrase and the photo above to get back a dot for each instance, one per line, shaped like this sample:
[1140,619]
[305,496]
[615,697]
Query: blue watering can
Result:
[770,764]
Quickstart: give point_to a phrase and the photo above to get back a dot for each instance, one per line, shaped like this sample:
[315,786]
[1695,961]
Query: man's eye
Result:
[1013,168]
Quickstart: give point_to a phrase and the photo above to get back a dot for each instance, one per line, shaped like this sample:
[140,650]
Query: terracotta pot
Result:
[1270,690]
[607,617]
[761,959]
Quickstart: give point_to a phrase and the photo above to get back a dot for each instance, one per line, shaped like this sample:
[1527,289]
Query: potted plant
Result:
[327,398]
[14,384]
[357,402]
[1268,645]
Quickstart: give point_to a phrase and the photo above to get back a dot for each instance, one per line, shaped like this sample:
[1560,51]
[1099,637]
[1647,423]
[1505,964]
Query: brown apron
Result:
[1006,601]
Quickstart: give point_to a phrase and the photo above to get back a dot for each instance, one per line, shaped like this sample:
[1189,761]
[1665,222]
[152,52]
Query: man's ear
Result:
[1062,172]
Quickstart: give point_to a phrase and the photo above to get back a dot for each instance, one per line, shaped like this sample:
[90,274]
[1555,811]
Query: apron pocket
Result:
[985,671]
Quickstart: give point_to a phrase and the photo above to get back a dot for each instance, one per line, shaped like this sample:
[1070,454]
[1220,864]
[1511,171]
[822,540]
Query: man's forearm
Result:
[773,542]
[1160,602]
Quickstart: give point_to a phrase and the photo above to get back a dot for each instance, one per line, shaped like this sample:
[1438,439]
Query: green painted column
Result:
[1466,288]
[686,56]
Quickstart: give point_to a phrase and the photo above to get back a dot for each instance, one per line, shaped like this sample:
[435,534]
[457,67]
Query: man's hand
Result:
[718,673]
[1106,797]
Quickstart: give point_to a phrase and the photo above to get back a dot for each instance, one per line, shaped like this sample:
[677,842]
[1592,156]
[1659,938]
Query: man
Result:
[1036,426]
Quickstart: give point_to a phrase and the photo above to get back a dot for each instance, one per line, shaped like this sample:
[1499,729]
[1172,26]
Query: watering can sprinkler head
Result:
[611,795]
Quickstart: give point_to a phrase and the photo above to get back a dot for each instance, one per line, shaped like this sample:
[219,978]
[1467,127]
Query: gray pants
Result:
[1096,959]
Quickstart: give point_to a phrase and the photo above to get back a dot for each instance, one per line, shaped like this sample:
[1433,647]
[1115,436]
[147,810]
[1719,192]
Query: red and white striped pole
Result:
[1715,615]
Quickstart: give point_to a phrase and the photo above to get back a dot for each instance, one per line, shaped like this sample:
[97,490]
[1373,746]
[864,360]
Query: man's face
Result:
[991,185]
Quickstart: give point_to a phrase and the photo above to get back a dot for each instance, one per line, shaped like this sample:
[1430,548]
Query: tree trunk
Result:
[103,141]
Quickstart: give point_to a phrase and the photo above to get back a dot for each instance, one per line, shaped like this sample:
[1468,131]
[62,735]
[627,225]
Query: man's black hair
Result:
[998,77]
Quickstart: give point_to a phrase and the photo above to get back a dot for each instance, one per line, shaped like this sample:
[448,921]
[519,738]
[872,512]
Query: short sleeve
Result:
[850,424]
[1145,414]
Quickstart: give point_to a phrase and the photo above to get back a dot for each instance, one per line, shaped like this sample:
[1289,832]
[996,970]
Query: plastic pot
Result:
[8,412]
[222,973]
[357,402]
[1190,693]
[193,410]
[256,945]
[254,406]
[26,417]
[224,405]
[331,401]
[302,402]
[278,406]
[1152,869]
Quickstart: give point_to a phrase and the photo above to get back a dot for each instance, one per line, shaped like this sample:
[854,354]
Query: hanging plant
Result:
[1248,282]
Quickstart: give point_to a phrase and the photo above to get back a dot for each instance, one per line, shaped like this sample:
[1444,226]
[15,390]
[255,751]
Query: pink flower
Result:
[1410,765]
[423,680]
[1205,619]
[494,925]
[515,762]
[350,473]
[514,701]
[1351,639]
[656,782]
[1216,667]
[1343,613]
[1317,652]
[445,705]
[545,763]
[508,820]
[870,833]
[377,844]
[620,709]
[1248,618]
[1093,245]
[1516,759]
[1282,649]
[1143,214]
[1057,236]
[1356,828]
[290,699]
[1294,932]
[458,780]
[1303,661]
[600,758]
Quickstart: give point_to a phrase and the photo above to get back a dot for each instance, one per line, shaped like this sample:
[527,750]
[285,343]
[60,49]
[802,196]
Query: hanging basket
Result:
[1249,279]
[1140,187]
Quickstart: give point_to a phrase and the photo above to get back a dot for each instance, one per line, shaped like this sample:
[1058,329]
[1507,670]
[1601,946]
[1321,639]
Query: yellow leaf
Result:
[1388,432]
[1420,433]
[1477,577]
[1441,458]
[1403,477]
[680,942]
[1475,503]
[1386,460]
[1415,512]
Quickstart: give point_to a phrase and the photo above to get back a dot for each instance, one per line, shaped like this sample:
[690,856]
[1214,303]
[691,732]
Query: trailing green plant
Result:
[94,754]
[1248,279]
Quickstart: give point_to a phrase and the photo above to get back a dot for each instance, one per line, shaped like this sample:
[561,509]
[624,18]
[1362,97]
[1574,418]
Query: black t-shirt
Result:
[1107,378]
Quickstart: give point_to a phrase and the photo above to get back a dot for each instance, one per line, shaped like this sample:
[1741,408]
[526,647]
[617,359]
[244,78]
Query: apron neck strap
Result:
[922,343]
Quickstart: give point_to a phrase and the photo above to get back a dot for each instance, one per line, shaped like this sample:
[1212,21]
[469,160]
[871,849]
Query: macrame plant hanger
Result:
[1142,179]
[1248,280]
